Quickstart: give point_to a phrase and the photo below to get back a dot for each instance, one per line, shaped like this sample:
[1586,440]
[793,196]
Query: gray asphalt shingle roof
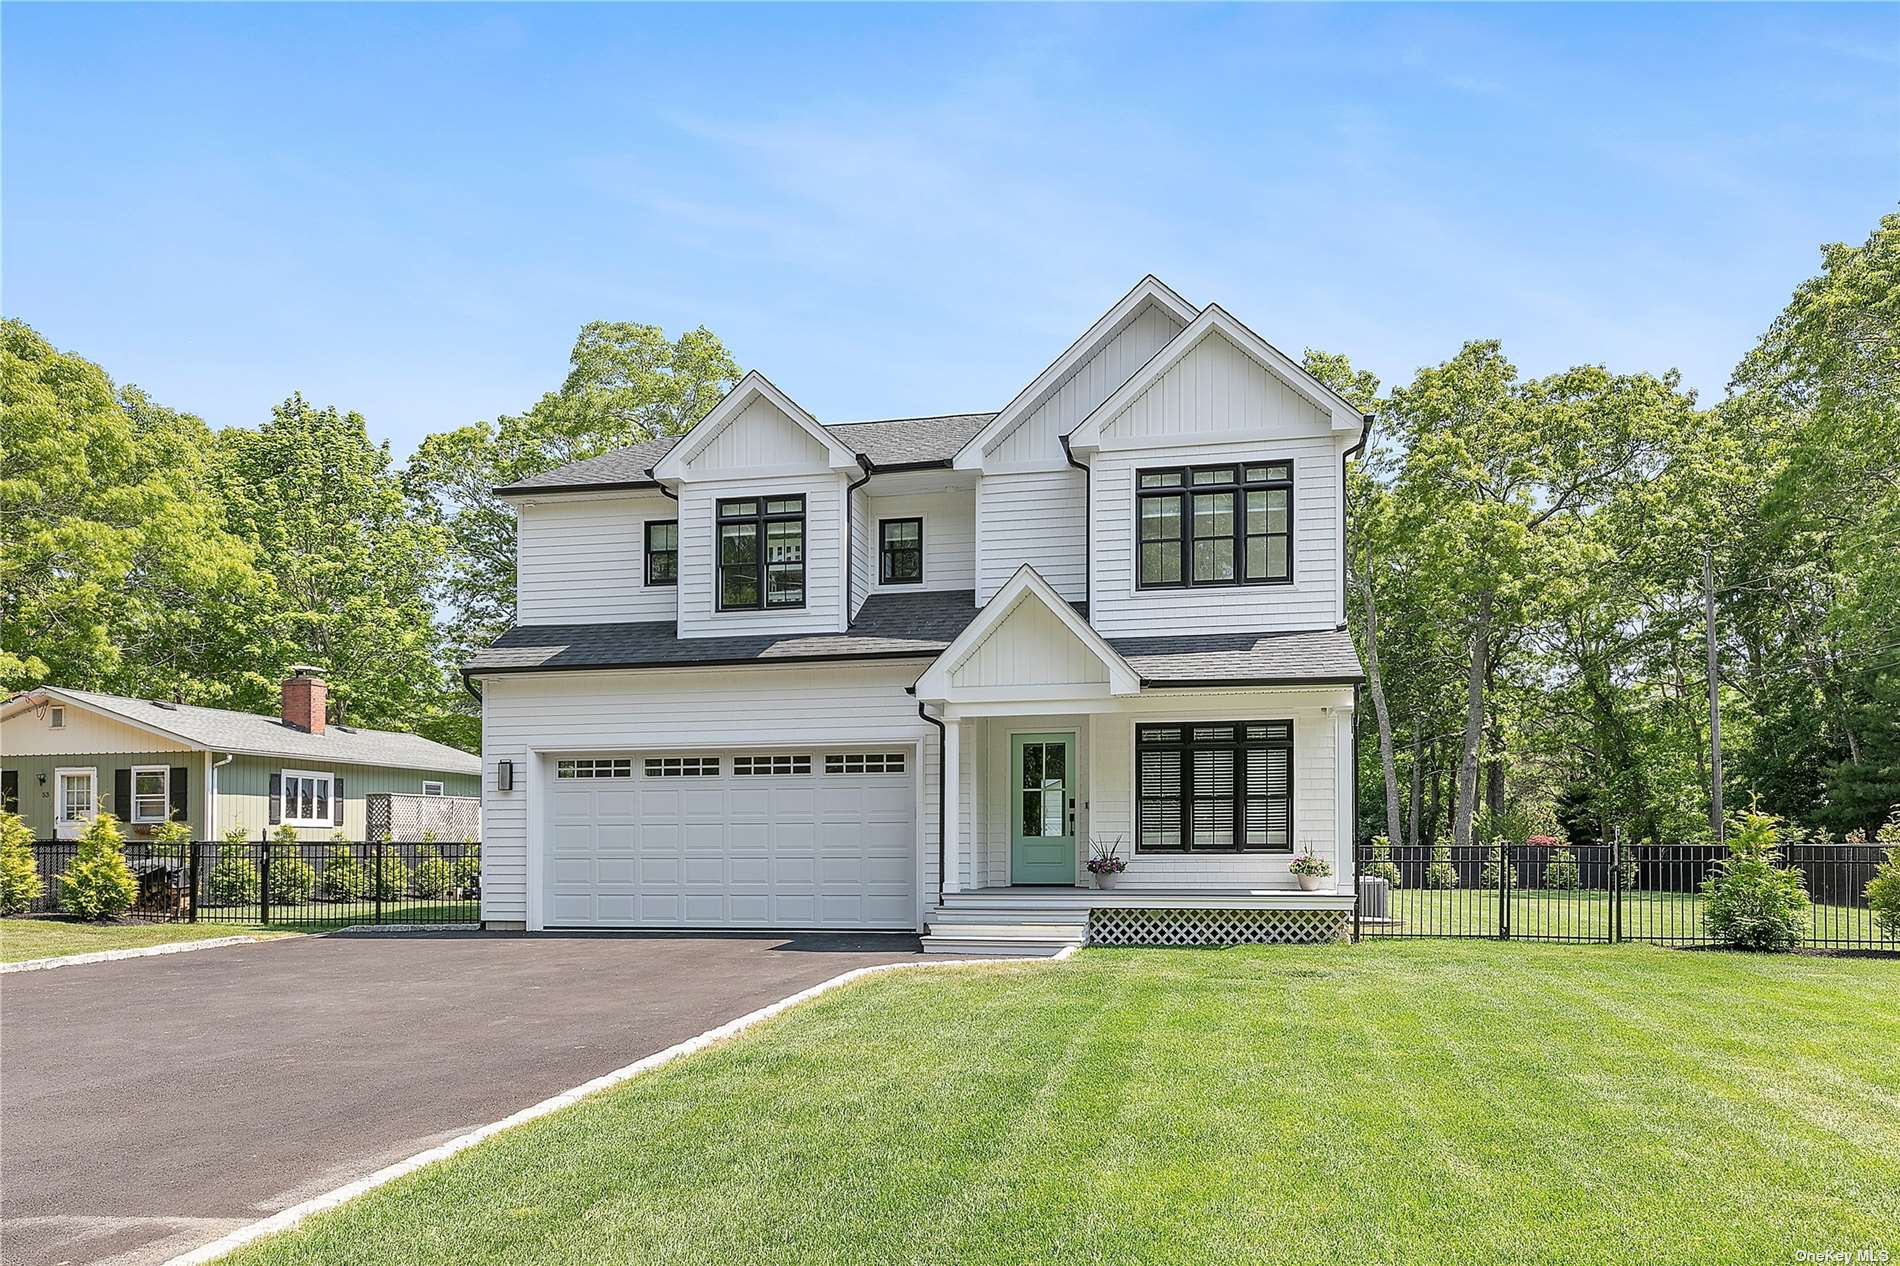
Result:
[225,730]
[891,442]
[919,625]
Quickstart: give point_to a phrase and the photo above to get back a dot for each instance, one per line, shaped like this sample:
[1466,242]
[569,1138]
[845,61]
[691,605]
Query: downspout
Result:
[869,466]
[1352,833]
[1365,433]
[942,856]
[1088,524]
[211,793]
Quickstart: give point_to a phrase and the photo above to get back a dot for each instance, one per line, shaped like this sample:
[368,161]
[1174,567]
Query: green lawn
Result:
[1411,1102]
[1586,914]
[21,939]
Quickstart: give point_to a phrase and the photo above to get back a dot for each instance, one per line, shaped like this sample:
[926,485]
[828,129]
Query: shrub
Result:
[292,879]
[1750,902]
[391,881]
[343,878]
[171,842]
[20,882]
[1383,867]
[234,879]
[1883,891]
[1441,873]
[1493,872]
[1560,871]
[98,884]
[468,868]
[434,877]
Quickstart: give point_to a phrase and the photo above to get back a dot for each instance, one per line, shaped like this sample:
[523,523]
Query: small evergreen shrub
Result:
[1493,871]
[1749,902]
[1383,867]
[1560,872]
[98,884]
[20,882]
[171,843]
[434,877]
[234,879]
[343,878]
[468,869]
[391,882]
[1883,891]
[1441,873]
[292,879]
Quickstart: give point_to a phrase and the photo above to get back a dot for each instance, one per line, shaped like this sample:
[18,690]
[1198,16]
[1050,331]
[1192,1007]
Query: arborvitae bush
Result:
[1493,870]
[1560,872]
[20,882]
[98,884]
[343,878]
[468,868]
[292,879]
[1441,873]
[234,879]
[434,877]
[391,882]
[1749,902]
[1383,867]
[171,842]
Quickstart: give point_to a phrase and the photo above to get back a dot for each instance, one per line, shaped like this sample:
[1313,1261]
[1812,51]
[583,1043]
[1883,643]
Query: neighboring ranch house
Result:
[66,755]
[900,674]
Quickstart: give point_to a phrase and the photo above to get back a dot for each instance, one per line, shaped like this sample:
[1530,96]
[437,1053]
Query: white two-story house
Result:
[906,674]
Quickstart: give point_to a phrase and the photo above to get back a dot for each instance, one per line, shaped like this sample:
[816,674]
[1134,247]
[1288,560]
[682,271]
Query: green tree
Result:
[20,882]
[1748,901]
[98,884]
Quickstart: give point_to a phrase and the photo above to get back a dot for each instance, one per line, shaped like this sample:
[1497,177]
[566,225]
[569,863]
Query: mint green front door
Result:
[1042,809]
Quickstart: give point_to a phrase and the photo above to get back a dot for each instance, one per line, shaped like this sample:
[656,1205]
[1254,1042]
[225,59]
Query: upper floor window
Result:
[761,553]
[663,552]
[900,551]
[1215,525]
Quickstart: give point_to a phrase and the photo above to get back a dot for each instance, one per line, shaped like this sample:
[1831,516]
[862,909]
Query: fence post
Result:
[263,884]
[1358,867]
[1616,885]
[1504,891]
[191,879]
[376,885]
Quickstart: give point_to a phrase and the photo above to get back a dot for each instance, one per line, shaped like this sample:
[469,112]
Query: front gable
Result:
[1028,433]
[1027,643]
[756,429]
[1216,380]
[26,729]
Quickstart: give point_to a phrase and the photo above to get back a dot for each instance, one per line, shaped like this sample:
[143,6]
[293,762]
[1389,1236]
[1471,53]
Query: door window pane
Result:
[1032,815]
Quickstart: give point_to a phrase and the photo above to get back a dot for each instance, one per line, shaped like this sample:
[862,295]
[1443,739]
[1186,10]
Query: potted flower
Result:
[1311,870]
[1106,862]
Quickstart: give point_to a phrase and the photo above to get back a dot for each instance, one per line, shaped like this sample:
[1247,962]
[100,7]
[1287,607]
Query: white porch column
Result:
[952,805]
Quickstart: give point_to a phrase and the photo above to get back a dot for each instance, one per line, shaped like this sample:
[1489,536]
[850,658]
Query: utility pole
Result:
[1715,699]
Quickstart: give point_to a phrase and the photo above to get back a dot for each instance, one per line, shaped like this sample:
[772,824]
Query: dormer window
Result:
[761,553]
[900,551]
[1215,525]
[663,552]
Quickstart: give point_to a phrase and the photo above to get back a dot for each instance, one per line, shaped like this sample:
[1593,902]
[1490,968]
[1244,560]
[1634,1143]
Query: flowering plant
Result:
[1107,859]
[1544,841]
[1311,863]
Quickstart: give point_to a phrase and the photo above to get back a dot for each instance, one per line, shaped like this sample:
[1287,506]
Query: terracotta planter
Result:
[1312,883]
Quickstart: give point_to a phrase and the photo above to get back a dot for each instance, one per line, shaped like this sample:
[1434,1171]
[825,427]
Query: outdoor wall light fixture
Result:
[504,775]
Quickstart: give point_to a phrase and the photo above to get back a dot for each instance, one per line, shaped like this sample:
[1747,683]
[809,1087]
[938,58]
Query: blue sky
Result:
[409,211]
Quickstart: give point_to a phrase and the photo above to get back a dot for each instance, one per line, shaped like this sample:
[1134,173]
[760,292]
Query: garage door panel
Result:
[803,850]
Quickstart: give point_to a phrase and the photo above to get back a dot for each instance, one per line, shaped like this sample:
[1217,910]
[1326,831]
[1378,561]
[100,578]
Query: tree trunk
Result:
[1474,723]
[1433,805]
[1418,784]
[1388,765]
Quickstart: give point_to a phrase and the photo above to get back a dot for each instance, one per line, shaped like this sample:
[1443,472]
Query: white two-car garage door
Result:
[782,839]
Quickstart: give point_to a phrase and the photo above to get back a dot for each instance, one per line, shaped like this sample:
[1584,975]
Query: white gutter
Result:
[211,791]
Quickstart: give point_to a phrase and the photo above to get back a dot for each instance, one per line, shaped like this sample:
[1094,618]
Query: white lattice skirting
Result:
[1115,926]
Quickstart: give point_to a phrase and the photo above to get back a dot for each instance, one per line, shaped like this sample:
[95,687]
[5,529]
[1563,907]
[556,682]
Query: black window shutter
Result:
[336,800]
[10,790]
[276,798]
[122,794]
[181,794]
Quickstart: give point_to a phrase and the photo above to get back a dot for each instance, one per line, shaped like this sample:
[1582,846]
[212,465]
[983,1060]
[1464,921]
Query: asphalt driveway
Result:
[151,1105]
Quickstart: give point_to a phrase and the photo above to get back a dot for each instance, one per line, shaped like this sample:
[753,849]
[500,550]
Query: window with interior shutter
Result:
[1214,787]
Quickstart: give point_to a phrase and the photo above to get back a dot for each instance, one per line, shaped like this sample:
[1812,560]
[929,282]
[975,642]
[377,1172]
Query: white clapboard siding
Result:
[759,436]
[1312,601]
[949,538]
[1216,387]
[1039,518]
[716,708]
[1030,647]
[583,561]
[824,563]
[1038,437]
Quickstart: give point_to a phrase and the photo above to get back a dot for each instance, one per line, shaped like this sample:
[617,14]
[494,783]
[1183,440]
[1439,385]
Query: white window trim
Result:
[430,782]
[165,773]
[59,793]
[283,792]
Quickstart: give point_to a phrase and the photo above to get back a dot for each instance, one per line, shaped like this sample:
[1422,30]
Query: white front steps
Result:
[969,923]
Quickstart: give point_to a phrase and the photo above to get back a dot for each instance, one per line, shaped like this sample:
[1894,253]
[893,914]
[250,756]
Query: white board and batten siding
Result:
[1037,439]
[1029,648]
[949,538]
[533,717]
[758,437]
[1034,517]
[582,560]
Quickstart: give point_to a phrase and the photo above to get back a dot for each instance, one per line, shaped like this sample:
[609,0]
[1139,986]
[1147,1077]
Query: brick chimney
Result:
[304,698]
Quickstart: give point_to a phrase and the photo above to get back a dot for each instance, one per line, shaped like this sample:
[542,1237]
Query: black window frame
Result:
[651,553]
[1183,492]
[761,518]
[884,549]
[1278,737]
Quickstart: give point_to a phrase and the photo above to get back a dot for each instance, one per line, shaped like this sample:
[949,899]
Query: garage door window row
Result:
[759,765]
[622,768]
[865,763]
[682,766]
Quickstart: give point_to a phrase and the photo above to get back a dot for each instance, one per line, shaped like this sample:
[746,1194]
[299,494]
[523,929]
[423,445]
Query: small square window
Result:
[57,717]
[430,788]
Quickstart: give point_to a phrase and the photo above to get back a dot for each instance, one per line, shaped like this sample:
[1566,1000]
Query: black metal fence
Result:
[1597,892]
[307,886]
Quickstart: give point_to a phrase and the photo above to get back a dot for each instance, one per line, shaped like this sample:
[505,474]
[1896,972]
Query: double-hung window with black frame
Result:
[1215,525]
[663,552]
[900,551]
[1214,787]
[761,553]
